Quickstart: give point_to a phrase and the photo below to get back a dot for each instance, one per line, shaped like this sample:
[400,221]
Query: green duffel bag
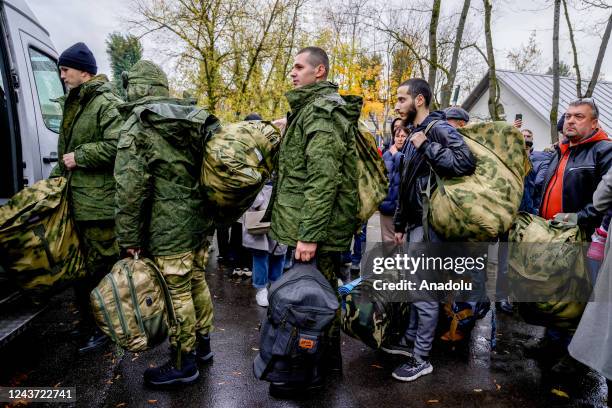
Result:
[369,316]
[372,180]
[482,206]
[238,160]
[39,246]
[132,305]
[546,262]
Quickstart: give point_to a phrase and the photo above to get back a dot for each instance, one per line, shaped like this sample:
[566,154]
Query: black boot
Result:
[177,370]
[203,352]
[97,340]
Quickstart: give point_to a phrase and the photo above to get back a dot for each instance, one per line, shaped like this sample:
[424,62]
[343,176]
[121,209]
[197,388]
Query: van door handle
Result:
[50,159]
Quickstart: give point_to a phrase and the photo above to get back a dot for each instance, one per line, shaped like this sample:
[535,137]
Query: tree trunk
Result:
[447,88]
[600,56]
[574,51]
[555,66]
[433,48]
[493,105]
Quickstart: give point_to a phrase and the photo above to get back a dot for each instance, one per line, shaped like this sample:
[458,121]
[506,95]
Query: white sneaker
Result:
[262,297]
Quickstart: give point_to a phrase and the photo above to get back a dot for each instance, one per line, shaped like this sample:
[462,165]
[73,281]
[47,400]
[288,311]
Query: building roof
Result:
[536,91]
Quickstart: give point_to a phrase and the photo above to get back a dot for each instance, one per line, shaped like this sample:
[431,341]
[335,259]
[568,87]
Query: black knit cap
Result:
[560,124]
[79,57]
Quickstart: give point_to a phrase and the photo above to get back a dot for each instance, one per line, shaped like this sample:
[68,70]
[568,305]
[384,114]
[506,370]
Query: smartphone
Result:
[519,116]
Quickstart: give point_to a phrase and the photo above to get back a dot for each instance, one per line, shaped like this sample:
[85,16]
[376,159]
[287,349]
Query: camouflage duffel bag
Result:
[39,246]
[547,271]
[369,316]
[482,206]
[372,181]
[238,160]
[132,305]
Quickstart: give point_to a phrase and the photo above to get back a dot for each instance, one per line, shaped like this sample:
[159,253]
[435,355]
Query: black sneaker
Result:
[97,340]
[399,349]
[544,348]
[171,374]
[412,370]
[203,352]
[568,367]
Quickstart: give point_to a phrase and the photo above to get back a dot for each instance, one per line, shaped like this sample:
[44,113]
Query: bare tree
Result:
[600,56]
[493,99]
[447,88]
[433,45]
[574,51]
[555,66]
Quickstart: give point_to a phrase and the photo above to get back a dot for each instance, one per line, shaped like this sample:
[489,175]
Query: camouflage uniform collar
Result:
[299,97]
[96,84]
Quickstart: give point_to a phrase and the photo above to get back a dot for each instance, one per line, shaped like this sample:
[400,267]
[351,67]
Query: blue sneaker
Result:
[171,374]
[412,370]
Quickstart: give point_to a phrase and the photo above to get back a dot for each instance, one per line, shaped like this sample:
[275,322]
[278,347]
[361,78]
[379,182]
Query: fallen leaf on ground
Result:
[477,390]
[109,381]
[221,383]
[121,404]
[152,401]
[118,376]
[135,358]
[433,401]
[236,373]
[376,366]
[498,387]
[57,385]
[559,393]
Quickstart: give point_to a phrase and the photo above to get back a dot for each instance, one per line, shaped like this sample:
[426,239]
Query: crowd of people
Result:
[135,193]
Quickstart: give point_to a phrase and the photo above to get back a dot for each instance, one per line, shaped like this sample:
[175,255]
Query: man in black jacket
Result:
[444,150]
[579,163]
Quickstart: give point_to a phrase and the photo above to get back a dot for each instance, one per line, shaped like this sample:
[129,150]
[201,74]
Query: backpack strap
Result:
[427,191]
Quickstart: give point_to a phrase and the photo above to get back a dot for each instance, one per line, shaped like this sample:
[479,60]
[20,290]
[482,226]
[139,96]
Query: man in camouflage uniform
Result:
[160,210]
[87,146]
[315,204]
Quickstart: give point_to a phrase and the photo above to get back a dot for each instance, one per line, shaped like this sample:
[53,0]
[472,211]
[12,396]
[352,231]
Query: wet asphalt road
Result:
[45,355]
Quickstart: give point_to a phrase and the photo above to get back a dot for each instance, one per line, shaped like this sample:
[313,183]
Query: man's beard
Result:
[411,115]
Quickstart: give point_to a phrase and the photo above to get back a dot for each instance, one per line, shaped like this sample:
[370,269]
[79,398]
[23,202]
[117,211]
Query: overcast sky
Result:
[70,21]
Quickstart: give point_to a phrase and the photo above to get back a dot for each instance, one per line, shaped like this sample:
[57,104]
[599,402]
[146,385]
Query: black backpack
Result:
[293,334]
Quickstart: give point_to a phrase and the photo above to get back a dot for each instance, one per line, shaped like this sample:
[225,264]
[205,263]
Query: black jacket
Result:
[448,155]
[587,164]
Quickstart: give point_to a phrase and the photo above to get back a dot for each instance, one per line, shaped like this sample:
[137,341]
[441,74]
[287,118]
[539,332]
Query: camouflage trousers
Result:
[184,274]
[101,251]
[330,265]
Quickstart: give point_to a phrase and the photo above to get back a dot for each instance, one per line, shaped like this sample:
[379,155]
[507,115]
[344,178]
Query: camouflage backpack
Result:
[372,181]
[132,305]
[482,206]
[368,315]
[238,159]
[39,247]
[547,271]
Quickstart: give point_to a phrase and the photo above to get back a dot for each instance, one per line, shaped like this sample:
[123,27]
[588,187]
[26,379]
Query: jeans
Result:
[359,241]
[423,315]
[267,267]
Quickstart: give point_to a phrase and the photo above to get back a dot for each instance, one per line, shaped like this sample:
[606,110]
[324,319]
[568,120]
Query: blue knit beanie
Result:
[79,57]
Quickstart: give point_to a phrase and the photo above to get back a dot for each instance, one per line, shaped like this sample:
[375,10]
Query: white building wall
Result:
[513,105]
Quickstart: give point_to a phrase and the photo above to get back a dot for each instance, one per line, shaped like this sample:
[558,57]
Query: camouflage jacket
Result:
[315,198]
[159,158]
[90,128]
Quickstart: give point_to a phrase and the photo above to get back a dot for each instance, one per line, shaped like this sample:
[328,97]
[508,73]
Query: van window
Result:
[49,87]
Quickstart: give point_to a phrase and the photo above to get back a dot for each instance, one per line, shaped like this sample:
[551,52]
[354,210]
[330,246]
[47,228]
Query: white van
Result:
[29,81]
[29,127]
